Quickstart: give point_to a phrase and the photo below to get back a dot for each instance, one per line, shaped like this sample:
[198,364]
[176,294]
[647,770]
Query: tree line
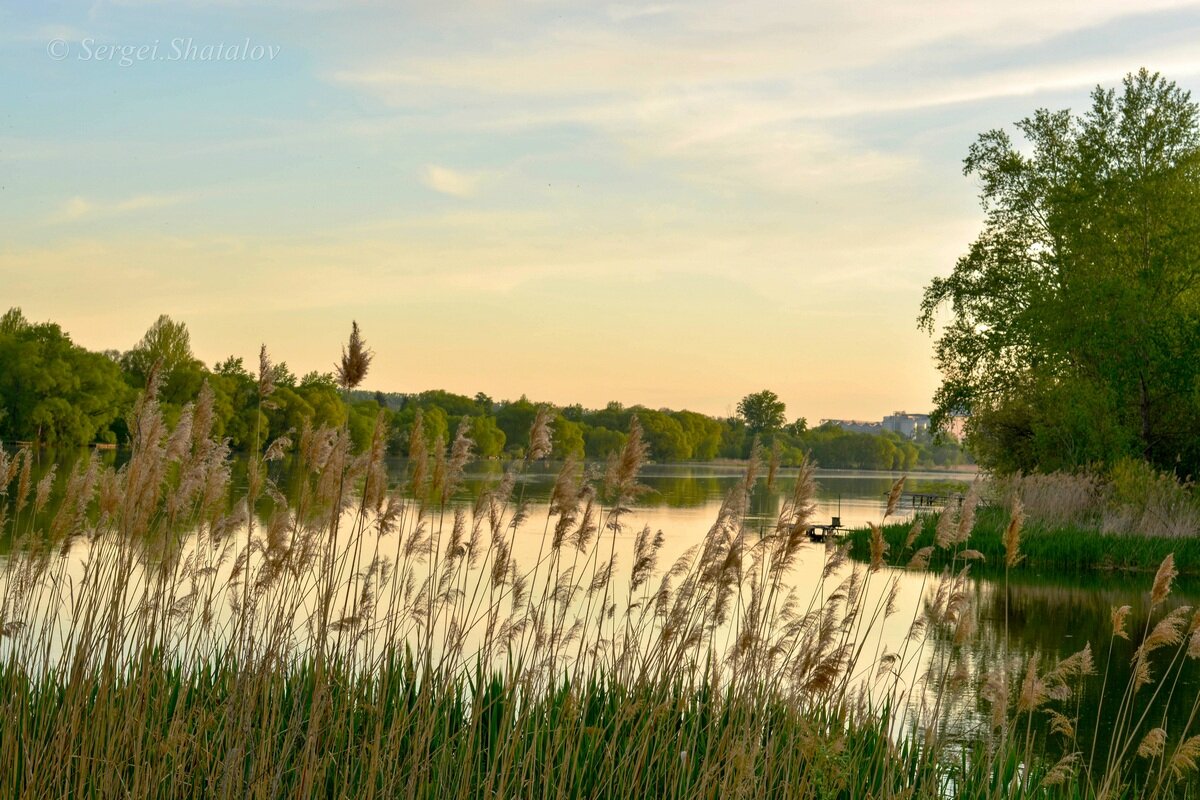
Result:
[58,394]
[501,428]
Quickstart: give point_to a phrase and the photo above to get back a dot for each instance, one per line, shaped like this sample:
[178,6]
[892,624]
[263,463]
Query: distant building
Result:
[907,425]
[855,425]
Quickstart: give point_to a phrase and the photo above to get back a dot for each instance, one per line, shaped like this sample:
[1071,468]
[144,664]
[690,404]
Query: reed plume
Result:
[356,359]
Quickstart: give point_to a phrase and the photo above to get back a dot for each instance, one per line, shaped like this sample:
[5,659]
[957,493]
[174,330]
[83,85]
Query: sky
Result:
[671,204]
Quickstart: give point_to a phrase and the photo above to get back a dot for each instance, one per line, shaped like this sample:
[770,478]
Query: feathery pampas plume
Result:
[356,359]
[1162,580]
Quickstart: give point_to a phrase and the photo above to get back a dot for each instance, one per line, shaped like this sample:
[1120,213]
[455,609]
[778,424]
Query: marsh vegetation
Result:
[167,631]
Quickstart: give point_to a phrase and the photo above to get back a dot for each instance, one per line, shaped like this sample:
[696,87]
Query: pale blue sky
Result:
[673,204]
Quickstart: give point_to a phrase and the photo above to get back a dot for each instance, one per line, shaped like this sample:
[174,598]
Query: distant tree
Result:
[488,438]
[455,405]
[437,427]
[232,367]
[52,390]
[282,376]
[665,435]
[603,442]
[567,438]
[514,419]
[13,322]
[762,411]
[166,343]
[613,416]
[314,378]
[703,434]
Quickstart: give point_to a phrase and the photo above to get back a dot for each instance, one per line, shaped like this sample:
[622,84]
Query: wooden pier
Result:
[919,500]
[819,533]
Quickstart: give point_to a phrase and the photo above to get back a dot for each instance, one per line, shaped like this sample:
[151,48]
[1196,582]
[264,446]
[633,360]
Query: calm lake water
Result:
[1029,613]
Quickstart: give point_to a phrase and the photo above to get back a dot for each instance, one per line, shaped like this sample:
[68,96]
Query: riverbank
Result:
[1063,548]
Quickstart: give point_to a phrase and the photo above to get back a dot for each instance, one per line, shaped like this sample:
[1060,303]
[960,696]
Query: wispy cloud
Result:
[451,181]
[79,207]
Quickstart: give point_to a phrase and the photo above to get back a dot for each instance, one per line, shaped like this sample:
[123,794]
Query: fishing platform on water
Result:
[928,500]
[819,533]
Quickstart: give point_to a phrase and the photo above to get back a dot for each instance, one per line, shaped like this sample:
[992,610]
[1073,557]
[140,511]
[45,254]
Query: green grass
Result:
[1066,549]
[215,730]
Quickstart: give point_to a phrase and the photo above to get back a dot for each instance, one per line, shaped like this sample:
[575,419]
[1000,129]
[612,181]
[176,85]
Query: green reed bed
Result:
[391,735]
[1067,548]
[165,632]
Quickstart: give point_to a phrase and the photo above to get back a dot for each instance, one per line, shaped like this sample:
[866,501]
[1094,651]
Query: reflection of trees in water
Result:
[42,461]
[1055,620]
[684,491]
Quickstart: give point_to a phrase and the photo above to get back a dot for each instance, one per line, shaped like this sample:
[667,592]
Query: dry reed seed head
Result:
[1077,665]
[25,481]
[418,455]
[878,547]
[966,513]
[1184,759]
[266,374]
[1012,534]
[752,465]
[620,479]
[564,497]
[1168,632]
[946,529]
[1163,579]
[1119,616]
[773,464]
[1193,648]
[540,441]
[1033,690]
[180,440]
[964,627]
[375,485]
[1063,771]
[356,360]
[203,418]
[894,497]
[994,690]
[920,559]
[1152,744]
[1061,724]
[42,493]
[460,455]
[279,446]
[914,531]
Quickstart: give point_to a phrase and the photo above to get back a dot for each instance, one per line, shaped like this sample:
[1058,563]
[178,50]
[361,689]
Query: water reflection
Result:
[857,497]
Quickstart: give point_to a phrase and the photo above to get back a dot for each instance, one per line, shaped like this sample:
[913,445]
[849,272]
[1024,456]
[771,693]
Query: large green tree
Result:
[51,390]
[166,344]
[1075,315]
[763,412]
